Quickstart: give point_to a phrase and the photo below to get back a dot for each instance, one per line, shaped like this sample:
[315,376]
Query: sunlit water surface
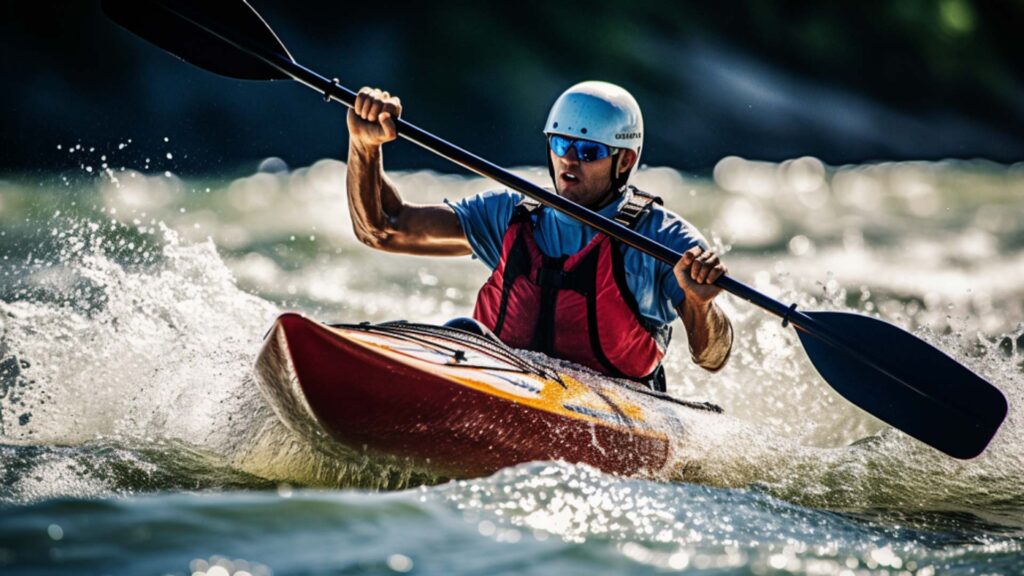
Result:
[133,440]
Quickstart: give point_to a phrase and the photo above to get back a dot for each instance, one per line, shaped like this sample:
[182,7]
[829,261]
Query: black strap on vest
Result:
[518,264]
[632,211]
[635,207]
[551,278]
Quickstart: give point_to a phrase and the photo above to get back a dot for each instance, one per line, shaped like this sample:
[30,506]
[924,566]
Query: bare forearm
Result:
[709,333]
[380,218]
[373,201]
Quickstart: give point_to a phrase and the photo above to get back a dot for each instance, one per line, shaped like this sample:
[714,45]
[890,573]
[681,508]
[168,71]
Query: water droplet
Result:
[400,563]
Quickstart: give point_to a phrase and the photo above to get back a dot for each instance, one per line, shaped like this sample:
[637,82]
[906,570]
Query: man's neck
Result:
[610,196]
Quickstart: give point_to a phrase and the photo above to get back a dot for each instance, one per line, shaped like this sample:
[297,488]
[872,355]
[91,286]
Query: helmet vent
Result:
[584,130]
[555,125]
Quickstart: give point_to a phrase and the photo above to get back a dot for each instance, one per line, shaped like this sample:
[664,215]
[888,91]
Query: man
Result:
[557,285]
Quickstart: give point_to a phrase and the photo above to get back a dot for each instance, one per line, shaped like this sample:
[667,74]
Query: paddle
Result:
[879,367]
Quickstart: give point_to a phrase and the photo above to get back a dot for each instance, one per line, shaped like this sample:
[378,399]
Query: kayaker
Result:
[557,285]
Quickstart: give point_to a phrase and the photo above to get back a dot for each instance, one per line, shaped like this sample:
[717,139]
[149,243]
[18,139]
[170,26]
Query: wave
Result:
[126,347]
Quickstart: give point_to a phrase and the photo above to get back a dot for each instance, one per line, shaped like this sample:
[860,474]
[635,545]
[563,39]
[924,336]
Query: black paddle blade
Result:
[912,386]
[210,34]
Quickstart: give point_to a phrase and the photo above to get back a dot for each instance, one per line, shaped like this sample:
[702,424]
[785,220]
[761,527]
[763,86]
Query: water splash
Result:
[132,325]
[143,354]
[676,527]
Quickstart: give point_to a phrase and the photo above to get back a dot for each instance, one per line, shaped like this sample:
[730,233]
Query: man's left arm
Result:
[708,329]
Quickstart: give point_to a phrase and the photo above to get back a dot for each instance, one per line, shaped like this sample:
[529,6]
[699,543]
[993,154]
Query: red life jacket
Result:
[578,307]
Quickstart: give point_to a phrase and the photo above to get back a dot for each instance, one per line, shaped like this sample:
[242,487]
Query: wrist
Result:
[697,304]
[363,151]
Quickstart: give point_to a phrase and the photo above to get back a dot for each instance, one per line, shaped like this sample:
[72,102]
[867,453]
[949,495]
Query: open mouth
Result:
[570,178]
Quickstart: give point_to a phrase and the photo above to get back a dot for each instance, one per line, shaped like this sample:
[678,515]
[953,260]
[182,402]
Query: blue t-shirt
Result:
[485,218]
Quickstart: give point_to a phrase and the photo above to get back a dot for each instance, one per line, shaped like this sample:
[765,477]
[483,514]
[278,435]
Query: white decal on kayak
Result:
[512,383]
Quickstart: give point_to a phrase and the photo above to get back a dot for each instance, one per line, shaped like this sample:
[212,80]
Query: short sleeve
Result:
[485,219]
[679,235]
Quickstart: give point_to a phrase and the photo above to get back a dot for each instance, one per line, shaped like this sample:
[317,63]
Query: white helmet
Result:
[599,111]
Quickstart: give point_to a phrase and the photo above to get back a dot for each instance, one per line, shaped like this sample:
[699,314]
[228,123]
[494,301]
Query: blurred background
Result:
[845,82]
[154,218]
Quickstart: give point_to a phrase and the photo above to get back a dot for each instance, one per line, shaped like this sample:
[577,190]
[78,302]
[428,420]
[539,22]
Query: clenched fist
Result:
[371,122]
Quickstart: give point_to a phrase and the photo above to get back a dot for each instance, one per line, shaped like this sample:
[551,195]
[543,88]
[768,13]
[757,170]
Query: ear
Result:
[625,161]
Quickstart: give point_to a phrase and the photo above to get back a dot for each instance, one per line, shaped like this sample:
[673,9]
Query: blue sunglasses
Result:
[586,150]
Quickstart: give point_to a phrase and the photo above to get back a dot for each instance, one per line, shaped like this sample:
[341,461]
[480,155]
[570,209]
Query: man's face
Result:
[585,183]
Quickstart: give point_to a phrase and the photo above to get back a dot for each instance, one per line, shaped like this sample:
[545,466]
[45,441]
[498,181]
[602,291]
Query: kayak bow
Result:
[454,403]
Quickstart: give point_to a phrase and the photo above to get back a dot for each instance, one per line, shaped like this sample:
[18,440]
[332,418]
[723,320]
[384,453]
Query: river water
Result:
[134,441]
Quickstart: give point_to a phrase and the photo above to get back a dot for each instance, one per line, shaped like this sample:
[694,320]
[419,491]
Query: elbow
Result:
[714,362]
[716,355]
[373,237]
[379,232]
[713,367]
[366,232]
[377,237]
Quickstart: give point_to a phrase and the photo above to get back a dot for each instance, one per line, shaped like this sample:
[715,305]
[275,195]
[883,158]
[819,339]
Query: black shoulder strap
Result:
[524,209]
[636,207]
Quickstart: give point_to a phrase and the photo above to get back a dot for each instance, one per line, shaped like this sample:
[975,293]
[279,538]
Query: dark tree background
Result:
[766,79]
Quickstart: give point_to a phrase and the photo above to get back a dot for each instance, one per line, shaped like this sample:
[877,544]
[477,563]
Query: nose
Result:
[570,156]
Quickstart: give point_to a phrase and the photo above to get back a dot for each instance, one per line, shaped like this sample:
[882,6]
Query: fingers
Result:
[371,121]
[700,266]
[374,110]
[372,102]
[363,100]
[689,256]
[682,267]
[388,124]
[717,272]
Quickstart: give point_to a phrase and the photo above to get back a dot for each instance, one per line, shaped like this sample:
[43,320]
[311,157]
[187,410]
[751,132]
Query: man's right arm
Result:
[708,329]
[380,218]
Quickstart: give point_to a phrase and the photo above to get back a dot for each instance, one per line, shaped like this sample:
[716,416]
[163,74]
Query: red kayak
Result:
[456,404]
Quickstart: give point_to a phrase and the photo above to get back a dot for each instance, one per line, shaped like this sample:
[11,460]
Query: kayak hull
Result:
[385,397]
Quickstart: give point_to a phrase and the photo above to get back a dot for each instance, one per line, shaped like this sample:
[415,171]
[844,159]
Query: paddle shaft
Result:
[332,90]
